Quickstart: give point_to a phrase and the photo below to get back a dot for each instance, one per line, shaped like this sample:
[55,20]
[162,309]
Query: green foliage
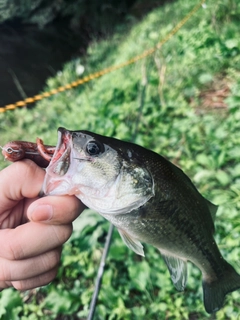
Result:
[158,102]
[11,304]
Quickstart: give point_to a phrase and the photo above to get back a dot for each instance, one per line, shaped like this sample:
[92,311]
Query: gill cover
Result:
[97,173]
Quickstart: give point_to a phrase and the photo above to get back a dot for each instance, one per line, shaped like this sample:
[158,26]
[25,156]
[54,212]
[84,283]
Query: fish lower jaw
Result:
[56,187]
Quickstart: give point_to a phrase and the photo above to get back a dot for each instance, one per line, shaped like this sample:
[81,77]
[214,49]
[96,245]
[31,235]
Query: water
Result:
[28,56]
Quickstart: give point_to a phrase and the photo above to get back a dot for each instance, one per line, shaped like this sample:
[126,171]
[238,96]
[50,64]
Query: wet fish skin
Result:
[158,205]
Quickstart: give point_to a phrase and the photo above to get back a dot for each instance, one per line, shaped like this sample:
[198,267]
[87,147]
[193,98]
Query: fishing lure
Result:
[38,152]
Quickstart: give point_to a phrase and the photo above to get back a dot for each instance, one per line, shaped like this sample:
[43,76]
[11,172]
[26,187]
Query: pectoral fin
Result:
[178,270]
[132,243]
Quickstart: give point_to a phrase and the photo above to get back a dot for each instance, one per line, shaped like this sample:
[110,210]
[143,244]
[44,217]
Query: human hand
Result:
[32,229]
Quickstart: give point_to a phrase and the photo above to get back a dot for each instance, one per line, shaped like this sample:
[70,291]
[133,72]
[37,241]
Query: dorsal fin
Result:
[212,208]
[178,270]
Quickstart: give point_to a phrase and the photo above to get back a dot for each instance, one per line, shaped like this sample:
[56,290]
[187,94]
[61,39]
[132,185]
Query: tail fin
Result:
[215,291]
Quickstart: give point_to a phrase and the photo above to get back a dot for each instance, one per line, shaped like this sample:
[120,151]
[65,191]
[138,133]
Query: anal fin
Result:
[132,243]
[178,270]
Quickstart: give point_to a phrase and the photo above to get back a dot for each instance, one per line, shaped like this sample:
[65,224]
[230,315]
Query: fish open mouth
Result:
[60,161]
[56,181]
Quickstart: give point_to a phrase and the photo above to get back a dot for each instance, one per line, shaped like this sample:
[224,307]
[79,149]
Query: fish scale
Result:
[149,200]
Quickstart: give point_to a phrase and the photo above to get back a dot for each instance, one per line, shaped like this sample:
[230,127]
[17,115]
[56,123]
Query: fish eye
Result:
[94,148]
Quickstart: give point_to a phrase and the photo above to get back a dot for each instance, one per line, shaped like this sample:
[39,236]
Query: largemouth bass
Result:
[149,200]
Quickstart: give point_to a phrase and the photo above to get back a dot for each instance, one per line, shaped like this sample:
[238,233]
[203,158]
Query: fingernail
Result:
[42,213]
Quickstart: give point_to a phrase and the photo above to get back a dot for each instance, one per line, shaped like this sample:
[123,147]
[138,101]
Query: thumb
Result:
[55,209]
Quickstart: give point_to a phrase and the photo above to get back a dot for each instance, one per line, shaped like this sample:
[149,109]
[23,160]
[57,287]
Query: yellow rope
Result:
[100,73]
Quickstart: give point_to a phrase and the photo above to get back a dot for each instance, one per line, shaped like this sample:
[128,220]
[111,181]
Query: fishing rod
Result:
[100,273]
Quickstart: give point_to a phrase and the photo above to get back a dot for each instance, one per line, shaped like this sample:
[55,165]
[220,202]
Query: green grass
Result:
[158,102]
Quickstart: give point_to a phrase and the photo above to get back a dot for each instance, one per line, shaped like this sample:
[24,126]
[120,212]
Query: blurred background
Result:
[38,37]
[182,102]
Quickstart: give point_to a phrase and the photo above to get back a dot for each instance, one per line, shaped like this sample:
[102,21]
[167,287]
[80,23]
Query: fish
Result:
[149,200]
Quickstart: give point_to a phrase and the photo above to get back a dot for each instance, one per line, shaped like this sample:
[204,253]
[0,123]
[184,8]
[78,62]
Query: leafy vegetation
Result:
[182,102]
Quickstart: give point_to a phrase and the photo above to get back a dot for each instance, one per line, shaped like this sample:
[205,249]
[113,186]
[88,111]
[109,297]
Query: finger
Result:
[34,282]
[38,281]
[55,210]
[29,268]
[19,180]
[32,239]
